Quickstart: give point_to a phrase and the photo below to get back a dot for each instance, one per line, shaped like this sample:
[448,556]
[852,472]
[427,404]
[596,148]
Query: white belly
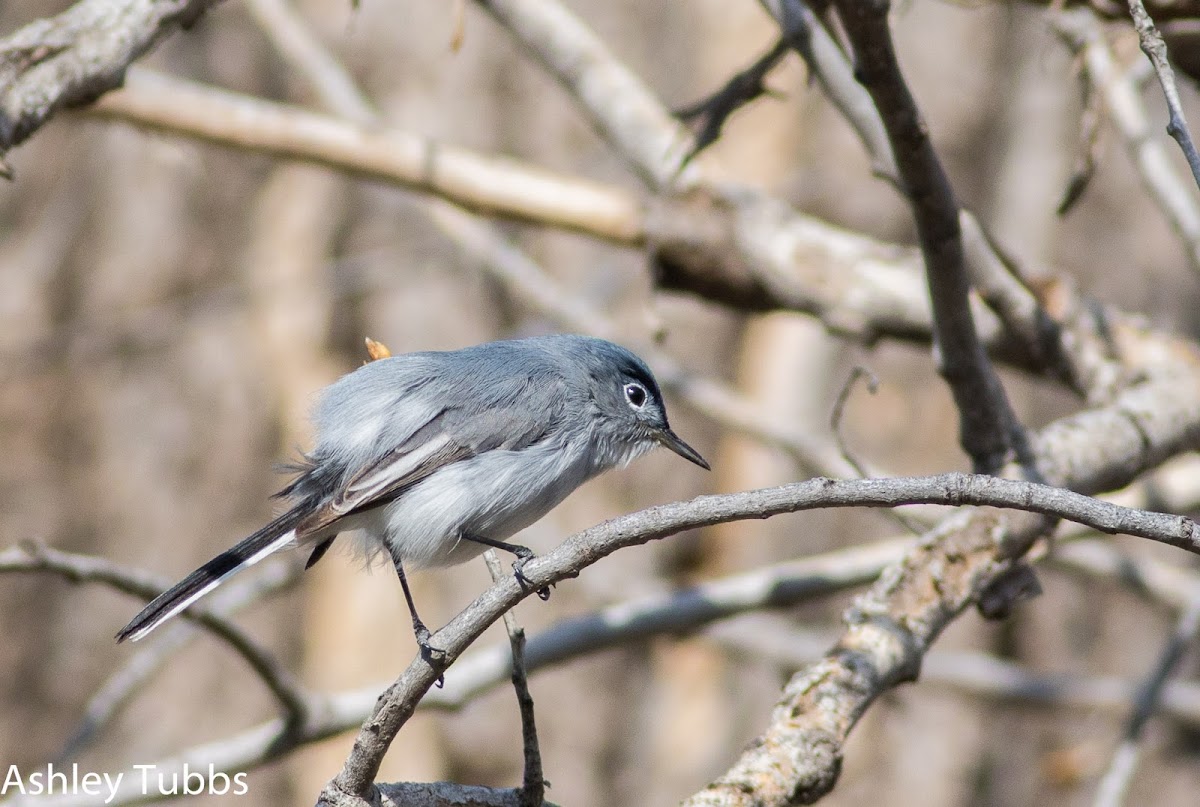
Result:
[493,495]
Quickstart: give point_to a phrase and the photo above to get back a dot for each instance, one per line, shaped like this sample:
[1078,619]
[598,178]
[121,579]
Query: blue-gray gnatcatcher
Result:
[437,456]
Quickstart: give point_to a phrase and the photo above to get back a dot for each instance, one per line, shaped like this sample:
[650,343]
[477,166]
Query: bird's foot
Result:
[430,653]
[524,556]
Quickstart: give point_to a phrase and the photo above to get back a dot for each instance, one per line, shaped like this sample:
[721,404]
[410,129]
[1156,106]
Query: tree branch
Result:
[618,104]
[295,701]
[1154,47]
[488,185]
[889,629]
[1081,32]
[79,55]
[397,704]
[986,423]
[533,786]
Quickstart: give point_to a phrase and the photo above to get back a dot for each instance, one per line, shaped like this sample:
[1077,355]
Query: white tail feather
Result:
[269,549]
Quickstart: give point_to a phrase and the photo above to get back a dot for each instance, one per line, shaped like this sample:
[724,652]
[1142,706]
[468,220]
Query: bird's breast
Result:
[494,495]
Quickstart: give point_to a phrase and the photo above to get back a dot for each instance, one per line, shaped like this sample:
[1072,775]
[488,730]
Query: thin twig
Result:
[1000,283]
[533,786]
[1154,47]
[1148,700]
[710,114]
[1090,145]
[835,426]
[839,410]
[827,63]
[1172,194]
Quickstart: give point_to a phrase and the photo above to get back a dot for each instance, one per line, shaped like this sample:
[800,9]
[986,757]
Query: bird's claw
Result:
[428,651]
[519,572]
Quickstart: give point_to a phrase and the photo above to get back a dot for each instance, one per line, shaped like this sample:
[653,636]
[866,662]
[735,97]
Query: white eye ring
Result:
[636,395]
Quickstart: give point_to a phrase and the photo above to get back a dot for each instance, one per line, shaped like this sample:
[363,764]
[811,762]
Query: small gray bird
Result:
[437,456]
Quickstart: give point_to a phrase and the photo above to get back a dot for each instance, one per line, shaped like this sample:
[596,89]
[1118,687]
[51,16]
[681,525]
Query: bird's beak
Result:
[671,440]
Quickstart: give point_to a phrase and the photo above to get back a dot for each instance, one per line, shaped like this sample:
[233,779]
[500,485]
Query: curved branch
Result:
[398,703]
[88,569]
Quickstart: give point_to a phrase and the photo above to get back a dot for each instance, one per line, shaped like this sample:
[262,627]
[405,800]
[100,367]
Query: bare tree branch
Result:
[397,704]
[1082,33]
[1090,146]
[1154,47]
[77,56]
[986,422]
[618,104]
[1148,700]
[150,656]
[533,786]
[87,569]
[708,115]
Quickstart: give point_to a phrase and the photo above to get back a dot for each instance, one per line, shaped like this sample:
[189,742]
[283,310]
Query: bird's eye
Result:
[636,395]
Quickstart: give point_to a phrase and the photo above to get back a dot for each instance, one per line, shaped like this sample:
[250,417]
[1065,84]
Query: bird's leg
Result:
[419,630]
[524,555]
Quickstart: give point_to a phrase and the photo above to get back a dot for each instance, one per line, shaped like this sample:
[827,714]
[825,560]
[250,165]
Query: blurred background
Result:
[168,309]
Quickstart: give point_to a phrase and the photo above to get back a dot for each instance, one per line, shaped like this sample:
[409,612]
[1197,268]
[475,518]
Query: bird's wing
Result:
[450,436]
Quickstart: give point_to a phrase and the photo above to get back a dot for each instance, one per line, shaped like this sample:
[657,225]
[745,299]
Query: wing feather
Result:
[449,437]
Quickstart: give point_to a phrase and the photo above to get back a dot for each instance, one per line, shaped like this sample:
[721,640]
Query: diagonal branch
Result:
[986,423]
[889,629]
[1082,33]
[1154,47]
[708,115]
[620,107]
[488,185]
[79,55]
[1148,701]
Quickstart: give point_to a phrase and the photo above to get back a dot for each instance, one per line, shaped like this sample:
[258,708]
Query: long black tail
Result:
[268,540]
